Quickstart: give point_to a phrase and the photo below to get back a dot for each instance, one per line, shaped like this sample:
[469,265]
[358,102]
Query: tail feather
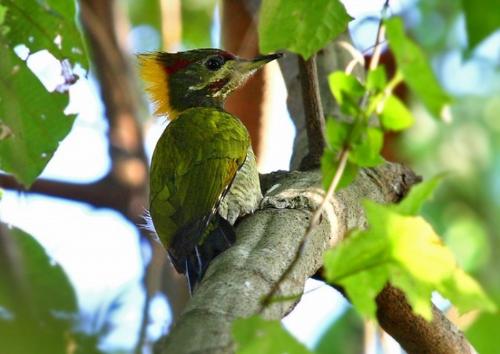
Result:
[191,257]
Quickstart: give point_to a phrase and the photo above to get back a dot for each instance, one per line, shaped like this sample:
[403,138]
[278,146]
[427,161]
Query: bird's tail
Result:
[195,245]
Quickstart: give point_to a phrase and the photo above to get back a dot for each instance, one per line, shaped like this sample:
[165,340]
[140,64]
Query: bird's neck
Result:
[190,102]
[181,100]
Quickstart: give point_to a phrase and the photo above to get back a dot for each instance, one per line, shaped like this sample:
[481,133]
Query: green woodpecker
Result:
[203,173]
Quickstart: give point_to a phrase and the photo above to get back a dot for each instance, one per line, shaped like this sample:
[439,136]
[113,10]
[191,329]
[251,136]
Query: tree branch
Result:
[267,242]
[331,58]
[104,193]
[414,333]
[315,218]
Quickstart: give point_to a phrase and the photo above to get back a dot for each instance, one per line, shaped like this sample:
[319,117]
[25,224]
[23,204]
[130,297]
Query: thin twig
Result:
[377,49]
[357,57]
[313,109]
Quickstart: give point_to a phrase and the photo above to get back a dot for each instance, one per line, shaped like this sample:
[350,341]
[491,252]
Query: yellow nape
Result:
[155,78]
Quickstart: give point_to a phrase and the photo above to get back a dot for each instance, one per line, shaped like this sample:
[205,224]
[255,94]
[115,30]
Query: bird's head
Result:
[195,78]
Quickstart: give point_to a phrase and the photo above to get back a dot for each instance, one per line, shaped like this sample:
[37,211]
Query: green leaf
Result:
[418,195]
[481,19]
[347,90]
[299,26]
[255,335]
[329,166]
[366,153]
[395,116]
[36,297]
[145,12]
[376,79]
[197,21]
[46,24]
[337,133]
[359,264]
[32,121]
[416,70]
[483,332]
[465,292]
[405,251]
[3,28]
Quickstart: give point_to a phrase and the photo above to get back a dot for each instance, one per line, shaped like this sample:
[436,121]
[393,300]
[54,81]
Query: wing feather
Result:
[194,162]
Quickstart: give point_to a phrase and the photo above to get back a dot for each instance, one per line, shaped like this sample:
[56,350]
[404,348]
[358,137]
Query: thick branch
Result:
[415,334]
[267,242]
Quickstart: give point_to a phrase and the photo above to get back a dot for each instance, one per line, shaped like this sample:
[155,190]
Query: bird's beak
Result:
[255,63]
[241,69]
[263,59]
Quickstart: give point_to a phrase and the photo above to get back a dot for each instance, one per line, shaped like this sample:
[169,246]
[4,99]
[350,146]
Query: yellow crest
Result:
[155,77]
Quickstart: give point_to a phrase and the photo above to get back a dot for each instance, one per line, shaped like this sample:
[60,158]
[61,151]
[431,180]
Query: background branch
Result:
[331,58]
[415,334]
[104,193]
[313,109]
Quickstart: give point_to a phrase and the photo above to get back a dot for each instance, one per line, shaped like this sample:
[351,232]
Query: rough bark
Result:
[415,334]
[267,241]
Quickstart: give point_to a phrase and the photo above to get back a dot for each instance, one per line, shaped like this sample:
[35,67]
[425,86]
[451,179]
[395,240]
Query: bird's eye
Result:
[214,63]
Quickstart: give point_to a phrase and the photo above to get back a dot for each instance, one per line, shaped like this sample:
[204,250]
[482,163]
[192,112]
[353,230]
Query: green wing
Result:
[194,161]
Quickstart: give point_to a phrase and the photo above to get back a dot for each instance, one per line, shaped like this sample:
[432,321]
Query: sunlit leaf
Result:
[416,69]
[255,335]
[300,26]
[395,116]
[37,301]
[465,292]
[347,90]
[405,251]
[481,19]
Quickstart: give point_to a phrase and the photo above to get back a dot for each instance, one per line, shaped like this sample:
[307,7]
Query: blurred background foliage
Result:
[465,209]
